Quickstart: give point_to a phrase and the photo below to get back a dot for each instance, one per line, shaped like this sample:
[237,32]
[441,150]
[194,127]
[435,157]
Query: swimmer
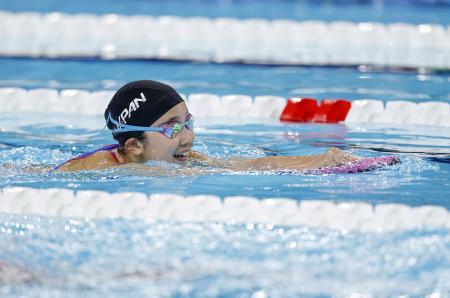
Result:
[151,122]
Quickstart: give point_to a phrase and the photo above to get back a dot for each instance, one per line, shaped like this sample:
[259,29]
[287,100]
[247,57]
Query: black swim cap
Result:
[140,103]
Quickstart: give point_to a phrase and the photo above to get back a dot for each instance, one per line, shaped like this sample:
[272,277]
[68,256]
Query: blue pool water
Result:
[59,257]
[54,257]
[123,258]
[383,11]
[421,179]
[187,78]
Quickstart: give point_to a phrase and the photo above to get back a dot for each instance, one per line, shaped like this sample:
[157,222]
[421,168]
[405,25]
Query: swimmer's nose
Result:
[187,137]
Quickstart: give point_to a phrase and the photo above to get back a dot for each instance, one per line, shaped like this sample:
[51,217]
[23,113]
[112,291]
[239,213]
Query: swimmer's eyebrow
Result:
[173,119]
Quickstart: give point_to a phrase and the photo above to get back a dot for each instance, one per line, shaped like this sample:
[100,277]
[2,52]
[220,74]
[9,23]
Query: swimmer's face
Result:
[159,147]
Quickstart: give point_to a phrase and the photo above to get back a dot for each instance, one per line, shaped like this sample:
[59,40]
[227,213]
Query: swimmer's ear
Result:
[134,146]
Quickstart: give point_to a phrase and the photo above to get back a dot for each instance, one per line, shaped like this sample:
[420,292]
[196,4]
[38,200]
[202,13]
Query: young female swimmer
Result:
[150,121]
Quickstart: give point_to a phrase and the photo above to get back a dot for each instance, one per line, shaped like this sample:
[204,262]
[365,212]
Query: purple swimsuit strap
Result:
[104,148]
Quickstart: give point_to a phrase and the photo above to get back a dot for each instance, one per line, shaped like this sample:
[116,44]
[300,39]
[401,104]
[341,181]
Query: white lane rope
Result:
[353,216]
[221,40]
[228,106]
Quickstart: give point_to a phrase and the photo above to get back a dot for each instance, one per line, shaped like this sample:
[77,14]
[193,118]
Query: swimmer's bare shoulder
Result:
[97,161]
[104,159]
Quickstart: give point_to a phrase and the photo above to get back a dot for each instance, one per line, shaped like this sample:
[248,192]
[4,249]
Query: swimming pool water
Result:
[383,11]
[224,79]
[59,257]
[54,257]
[422,178]
[123,258]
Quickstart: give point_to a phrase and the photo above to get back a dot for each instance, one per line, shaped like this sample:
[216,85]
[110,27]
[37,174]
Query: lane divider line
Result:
[296,109]
[225,40]
[353,216]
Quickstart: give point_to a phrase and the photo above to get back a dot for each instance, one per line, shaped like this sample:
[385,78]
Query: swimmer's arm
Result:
[332,157]
[269,162]
[211,161]
[277,163]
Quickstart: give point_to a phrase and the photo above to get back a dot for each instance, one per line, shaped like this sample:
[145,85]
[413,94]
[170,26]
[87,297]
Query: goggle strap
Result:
[120,127]
[128,128]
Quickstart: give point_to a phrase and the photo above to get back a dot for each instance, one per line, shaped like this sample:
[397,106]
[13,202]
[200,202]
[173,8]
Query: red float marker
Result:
[339,111]
[332,111]
[325,107]
[299,110]
[307,110]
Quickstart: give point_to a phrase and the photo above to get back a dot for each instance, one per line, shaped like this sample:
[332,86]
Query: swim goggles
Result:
[170,130]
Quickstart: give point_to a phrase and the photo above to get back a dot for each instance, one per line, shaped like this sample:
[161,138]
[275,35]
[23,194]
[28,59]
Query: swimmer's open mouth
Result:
[181,156]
